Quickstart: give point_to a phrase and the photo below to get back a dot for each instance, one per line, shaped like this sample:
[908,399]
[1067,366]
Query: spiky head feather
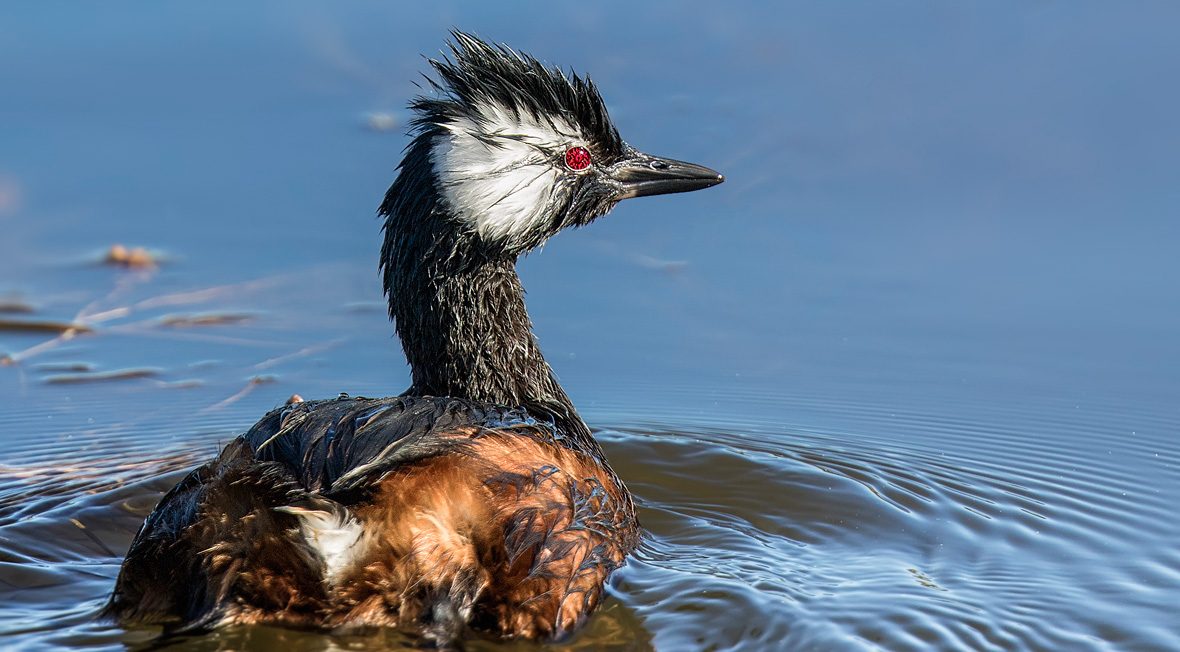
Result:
[495,135]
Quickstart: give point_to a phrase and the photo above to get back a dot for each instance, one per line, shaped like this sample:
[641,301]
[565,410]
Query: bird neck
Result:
[459,310]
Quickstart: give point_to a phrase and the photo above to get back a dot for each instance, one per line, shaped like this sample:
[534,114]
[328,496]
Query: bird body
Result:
[436,513]
[479,498]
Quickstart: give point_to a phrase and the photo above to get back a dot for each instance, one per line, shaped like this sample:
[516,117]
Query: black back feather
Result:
[336,447]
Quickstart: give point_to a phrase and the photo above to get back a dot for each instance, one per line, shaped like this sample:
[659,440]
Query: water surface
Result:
[907,381]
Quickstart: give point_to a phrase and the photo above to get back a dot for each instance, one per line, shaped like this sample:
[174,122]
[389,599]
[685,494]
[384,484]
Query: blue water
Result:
[908,380]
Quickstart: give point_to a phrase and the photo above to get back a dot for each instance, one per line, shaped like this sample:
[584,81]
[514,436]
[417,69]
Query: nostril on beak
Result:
[658,165]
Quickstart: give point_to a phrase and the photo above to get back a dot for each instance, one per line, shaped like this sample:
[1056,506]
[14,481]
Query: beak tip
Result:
[645,175]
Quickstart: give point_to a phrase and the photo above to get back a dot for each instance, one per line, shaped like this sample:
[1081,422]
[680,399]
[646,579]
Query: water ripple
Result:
[806,539]
[814,532]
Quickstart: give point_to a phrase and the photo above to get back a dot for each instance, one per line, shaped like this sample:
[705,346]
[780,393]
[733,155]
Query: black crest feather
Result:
[478,73]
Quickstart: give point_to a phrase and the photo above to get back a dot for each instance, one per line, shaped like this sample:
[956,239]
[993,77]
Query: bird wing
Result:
[337,446]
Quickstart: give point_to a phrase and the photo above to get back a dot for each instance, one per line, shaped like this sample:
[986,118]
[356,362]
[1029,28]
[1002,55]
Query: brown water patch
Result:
[43,326]
[64,367]
[13,306]
[103,376]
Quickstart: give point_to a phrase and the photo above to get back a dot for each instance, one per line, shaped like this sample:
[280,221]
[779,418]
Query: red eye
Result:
[577,158]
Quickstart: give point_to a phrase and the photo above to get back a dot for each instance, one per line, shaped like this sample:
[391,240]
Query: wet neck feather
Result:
[459,309]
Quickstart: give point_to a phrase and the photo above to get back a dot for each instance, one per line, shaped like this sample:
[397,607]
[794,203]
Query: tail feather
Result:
[330,530]
[219,541]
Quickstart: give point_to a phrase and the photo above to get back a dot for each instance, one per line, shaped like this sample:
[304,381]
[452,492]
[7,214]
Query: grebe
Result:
[478,498]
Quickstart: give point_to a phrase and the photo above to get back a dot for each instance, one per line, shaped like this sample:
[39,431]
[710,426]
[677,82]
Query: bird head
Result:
[518,151]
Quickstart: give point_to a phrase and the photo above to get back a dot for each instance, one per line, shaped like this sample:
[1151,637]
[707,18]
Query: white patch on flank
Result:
[334,533]
[499,171]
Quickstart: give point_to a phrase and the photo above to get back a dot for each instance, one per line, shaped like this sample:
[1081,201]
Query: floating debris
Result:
[205,319]
[104,548]
[254,381]
[187,383]
[366,306]
[43,326]
[659,264]
[105,376]
[304,352]
[924,580]
[14,306]
[62,367]
[136,258]
[381,121]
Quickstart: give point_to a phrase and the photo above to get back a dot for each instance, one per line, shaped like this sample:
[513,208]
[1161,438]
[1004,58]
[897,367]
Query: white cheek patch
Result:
[498,172]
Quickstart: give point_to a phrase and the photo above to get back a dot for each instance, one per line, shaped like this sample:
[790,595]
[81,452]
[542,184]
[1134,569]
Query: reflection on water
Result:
[906,381]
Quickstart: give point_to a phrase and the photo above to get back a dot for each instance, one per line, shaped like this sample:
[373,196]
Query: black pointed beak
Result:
[641,175]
